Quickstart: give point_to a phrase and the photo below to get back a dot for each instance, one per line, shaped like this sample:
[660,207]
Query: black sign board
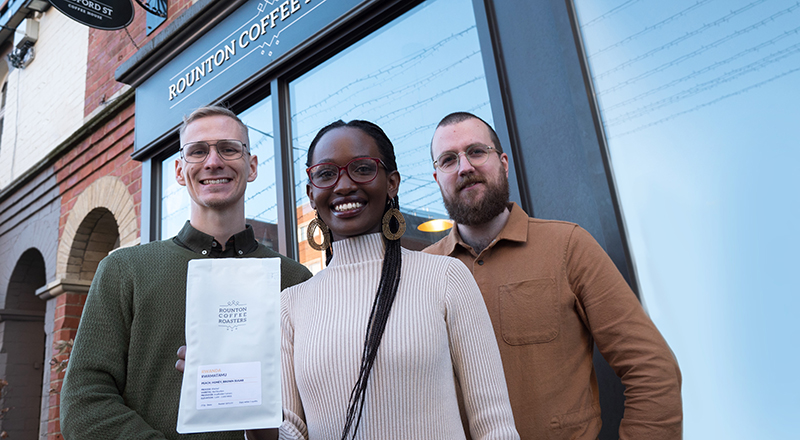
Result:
[107,15]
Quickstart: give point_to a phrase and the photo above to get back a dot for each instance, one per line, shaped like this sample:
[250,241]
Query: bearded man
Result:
[552,292]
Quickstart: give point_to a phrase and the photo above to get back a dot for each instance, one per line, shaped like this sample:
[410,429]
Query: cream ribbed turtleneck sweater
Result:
[438,333]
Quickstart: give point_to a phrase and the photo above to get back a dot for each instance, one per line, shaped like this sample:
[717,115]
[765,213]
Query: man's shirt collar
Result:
[516,228]
[241,243]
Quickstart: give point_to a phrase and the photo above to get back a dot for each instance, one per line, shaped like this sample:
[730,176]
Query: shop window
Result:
[404,77]
[261,195]
[698,102]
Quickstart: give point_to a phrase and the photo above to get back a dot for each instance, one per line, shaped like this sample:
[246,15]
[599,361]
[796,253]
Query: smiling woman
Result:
[347,206]
[382,364]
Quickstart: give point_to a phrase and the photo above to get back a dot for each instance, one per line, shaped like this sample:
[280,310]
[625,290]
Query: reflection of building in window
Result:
[314,267]
[266,233]
[313,260]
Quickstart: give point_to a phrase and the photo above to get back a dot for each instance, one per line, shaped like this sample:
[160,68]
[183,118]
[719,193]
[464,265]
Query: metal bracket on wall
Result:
[156,13]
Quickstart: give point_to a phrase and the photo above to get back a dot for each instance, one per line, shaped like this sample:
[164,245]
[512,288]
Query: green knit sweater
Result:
[121,382]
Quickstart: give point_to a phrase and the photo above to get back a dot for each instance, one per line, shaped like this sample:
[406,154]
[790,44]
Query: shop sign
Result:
[245,43]
[107,15]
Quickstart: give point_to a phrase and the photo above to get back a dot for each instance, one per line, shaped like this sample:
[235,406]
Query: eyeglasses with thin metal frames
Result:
[311,171]
[476,155]
[236,147]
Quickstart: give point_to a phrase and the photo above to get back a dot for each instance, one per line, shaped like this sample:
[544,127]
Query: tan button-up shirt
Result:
[552,291]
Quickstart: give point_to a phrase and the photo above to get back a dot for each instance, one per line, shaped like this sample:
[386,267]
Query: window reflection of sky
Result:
[405,78]
[699,100]
[261,195]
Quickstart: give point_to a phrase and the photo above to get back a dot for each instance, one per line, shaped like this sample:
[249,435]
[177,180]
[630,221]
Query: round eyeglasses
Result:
[476,155]
[360,170]
[228,149]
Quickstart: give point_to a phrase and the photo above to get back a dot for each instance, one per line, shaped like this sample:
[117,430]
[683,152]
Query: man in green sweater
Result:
[121,382]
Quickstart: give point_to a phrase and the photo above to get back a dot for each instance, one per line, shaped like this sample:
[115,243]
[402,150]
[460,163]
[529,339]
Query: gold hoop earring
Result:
[387,218]
[323,228]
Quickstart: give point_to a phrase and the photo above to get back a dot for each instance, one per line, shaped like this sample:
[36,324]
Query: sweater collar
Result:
[359,249]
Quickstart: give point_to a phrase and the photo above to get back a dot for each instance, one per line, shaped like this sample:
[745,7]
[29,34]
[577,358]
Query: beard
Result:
[482,210]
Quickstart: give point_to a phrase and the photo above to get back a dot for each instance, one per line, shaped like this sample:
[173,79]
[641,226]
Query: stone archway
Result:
[105,201]
[103,218]
[96,236]
[22,345]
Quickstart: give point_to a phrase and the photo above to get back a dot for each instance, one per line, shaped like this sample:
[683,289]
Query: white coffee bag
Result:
[233,366]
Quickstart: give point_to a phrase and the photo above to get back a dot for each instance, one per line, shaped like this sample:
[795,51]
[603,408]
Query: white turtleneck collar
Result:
[359,249]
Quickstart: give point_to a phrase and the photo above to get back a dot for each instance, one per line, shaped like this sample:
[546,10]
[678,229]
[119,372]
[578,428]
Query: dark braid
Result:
[390,276]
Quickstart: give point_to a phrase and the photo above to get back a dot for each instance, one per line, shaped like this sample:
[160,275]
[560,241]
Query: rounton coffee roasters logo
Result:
[232,315]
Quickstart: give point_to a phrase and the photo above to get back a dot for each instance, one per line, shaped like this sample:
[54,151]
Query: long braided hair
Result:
[390,276]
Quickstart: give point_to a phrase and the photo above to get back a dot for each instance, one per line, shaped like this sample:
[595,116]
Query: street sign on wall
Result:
[107,15]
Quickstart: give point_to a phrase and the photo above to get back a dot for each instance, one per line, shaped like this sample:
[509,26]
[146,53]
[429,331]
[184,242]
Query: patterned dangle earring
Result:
[395,213]
[323,228]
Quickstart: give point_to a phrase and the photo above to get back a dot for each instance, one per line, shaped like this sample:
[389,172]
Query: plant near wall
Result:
[58,365]
[5,410]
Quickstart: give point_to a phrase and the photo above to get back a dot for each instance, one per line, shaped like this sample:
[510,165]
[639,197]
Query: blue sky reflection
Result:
[699,100]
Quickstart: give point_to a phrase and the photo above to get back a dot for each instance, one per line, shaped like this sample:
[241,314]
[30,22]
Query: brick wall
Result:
[68,308]
[107,50]
[107,152]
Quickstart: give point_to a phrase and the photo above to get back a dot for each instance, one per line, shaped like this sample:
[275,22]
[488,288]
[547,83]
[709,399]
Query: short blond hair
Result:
[212,110]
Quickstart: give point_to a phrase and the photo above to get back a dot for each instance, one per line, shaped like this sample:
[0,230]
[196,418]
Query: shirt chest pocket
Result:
[529,311]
